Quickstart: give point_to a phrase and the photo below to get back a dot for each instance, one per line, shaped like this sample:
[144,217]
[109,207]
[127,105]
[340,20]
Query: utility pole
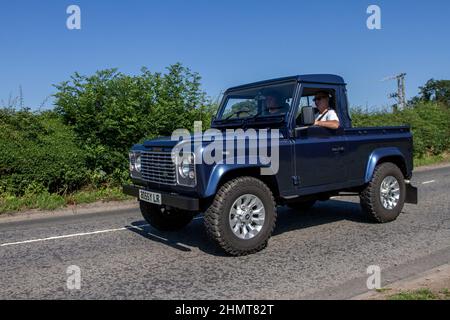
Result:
[21,97]
[401,91]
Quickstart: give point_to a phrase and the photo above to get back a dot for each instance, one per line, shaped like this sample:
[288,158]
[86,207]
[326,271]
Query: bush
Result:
[430,123]
[110,111]
[85,140]
[38,153]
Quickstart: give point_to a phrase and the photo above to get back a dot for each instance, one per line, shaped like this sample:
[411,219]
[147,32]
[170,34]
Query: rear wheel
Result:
[384,197]
[165,219]
[242,216]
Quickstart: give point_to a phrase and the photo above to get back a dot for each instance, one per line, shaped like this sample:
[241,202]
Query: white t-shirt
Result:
[329,116]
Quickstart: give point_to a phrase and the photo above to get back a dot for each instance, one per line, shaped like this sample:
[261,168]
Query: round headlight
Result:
[185,168]
[137,163]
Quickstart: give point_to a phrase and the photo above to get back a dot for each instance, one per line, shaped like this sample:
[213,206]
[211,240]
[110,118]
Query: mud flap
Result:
[411,194]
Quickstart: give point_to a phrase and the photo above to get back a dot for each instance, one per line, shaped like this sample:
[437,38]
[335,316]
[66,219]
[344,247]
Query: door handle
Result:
[338,149]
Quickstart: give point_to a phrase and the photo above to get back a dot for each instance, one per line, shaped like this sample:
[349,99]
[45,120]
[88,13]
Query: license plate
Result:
[151,197]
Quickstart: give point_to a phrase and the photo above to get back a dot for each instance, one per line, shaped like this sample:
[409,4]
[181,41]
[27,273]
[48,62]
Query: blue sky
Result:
[228,42]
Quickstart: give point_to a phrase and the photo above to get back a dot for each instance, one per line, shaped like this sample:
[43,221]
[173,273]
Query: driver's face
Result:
[321,101]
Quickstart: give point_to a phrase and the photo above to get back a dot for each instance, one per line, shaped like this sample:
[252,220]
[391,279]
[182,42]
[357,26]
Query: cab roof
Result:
[306,78]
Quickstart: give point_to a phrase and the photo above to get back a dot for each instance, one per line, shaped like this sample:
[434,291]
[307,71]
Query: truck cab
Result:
[239,193]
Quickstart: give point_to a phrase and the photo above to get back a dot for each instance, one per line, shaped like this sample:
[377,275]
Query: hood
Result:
[167,142]
[163,142]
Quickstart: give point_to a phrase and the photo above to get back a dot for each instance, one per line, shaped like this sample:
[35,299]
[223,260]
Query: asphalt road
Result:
[323,253]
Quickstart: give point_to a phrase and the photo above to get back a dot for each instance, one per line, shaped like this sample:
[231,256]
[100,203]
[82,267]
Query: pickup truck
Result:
[239,202]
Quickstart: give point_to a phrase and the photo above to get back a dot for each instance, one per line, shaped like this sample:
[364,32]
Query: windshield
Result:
[257,102]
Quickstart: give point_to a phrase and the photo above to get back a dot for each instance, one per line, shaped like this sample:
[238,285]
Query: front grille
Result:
[158,167]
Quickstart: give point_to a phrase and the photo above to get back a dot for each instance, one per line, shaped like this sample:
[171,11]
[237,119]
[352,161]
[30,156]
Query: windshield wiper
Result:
[255,116]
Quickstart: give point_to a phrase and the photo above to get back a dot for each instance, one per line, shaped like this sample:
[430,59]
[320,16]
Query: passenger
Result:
[274,104]
[327,117]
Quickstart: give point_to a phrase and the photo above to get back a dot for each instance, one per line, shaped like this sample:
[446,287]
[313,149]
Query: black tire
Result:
[302,206]
[165,219]
[370,197]
[217,216]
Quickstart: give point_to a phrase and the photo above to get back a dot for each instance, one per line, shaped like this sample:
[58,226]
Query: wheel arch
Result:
[383,155]
[224,173]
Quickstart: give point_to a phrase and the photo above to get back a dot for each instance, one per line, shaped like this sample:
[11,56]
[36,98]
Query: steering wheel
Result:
[237,113]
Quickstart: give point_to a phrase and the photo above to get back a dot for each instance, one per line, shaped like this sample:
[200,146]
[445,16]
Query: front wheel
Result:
[384,197]
[242,216]
[165,219]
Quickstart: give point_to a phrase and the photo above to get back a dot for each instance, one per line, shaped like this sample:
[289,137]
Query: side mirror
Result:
[308,117]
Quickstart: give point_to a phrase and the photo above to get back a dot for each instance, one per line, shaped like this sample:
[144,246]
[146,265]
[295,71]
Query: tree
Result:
[435,91]
[110,111]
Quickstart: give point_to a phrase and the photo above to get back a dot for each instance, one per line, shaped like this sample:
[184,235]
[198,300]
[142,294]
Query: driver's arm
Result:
[330,124]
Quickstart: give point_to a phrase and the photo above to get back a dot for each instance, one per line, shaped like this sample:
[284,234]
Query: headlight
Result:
[186,171]
[135,162]
[185,168]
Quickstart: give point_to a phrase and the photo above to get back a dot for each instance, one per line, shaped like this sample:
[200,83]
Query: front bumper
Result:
[169,199]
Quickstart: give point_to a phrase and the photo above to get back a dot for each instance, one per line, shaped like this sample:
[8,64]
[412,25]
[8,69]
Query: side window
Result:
[307,100]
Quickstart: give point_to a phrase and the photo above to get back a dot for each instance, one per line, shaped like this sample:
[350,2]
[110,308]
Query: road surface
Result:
[323,253]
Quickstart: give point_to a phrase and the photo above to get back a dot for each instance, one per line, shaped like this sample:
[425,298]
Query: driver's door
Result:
[319,152]
[319,157]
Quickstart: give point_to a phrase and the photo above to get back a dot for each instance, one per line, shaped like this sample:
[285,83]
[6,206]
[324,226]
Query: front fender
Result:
[377,155]
[221,169]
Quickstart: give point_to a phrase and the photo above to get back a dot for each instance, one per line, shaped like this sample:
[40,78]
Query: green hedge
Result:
[430,123]
[39,152]
[110,111]
[84,141]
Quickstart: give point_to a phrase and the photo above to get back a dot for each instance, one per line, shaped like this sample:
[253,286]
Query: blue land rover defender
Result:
[238,201]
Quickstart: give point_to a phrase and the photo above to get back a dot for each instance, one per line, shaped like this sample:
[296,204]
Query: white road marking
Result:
[428,182]
[73,235]
[85,234]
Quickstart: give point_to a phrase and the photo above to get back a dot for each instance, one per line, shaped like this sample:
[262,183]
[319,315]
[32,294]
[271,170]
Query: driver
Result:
[327,117]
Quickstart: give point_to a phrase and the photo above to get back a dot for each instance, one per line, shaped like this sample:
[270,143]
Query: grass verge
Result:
[432,159]
[48,201]
[421,294]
